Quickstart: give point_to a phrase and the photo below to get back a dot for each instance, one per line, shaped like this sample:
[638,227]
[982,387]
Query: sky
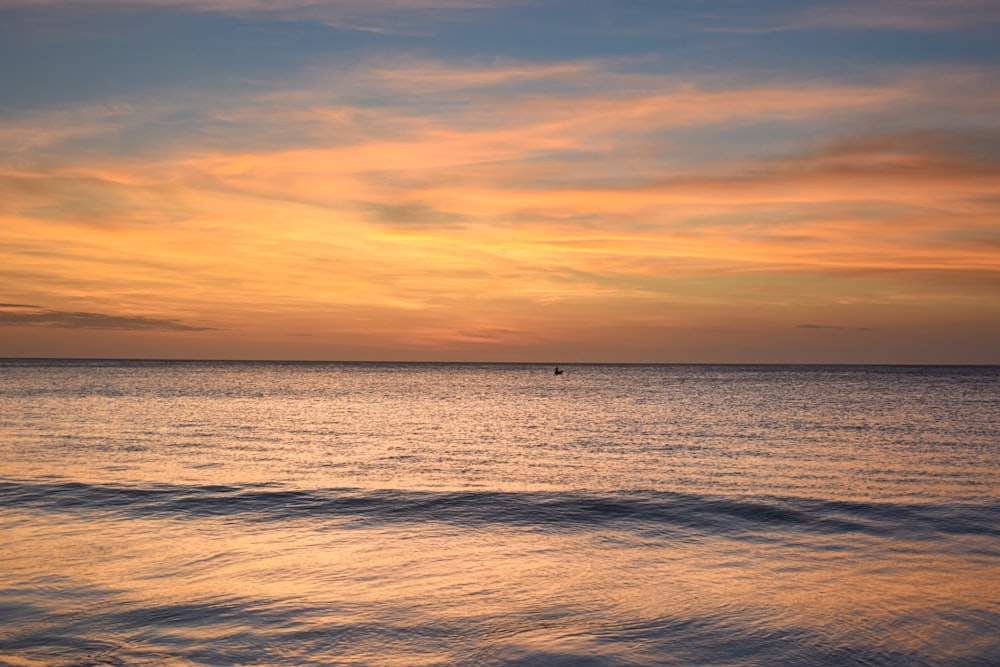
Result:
[556,181]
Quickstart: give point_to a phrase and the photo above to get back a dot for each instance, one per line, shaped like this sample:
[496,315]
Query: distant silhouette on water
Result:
[558,371]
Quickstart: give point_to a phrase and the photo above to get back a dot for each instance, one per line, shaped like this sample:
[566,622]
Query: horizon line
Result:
[500,363]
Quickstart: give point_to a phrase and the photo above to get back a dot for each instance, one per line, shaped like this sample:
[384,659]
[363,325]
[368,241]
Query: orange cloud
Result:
[507,221]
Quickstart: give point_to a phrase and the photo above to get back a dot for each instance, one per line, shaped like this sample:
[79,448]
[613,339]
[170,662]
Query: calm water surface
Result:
[195,513]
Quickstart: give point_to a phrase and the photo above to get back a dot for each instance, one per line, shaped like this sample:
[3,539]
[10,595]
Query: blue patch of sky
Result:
[692,38]
[81,56]
[563,31]
[56,56]
[831,53]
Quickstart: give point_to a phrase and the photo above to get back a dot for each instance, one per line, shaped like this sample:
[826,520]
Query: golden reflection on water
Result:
[850,471]
[793,522]
[504,592]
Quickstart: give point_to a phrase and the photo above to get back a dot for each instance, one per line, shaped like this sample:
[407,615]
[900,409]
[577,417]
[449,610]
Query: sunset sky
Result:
[501,180]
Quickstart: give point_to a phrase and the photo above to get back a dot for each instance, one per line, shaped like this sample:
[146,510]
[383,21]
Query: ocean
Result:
[241,513]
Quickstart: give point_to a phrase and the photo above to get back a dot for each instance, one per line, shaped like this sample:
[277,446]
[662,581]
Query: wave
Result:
[548,510]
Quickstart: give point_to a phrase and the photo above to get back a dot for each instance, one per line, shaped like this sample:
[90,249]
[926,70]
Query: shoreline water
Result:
[476,514]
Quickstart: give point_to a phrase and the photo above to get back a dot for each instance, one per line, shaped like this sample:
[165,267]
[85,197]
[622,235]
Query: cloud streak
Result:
[833,327]
[525,180]
[19,315]
[367,16]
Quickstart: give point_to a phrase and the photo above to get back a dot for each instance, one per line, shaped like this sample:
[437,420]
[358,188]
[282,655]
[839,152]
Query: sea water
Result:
[202,513]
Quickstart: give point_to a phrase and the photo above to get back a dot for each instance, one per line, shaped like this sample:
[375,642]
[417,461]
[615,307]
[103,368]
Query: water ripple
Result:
[538,509]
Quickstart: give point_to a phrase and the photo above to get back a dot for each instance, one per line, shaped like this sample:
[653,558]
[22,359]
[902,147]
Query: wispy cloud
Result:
[268,6]
[833,327]
[20,315]
[382,15]
[534,179]
[370,16]
[417,201]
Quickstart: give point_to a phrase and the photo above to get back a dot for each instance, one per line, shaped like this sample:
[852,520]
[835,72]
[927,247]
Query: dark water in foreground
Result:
[190,513]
